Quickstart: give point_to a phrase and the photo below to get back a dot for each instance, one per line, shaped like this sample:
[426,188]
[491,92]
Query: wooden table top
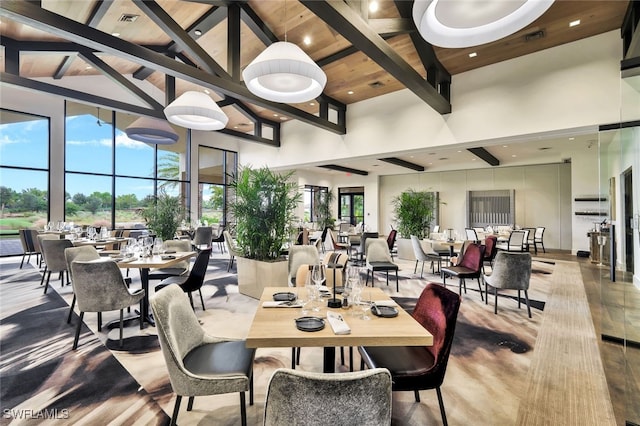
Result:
[157,261]
[275,327]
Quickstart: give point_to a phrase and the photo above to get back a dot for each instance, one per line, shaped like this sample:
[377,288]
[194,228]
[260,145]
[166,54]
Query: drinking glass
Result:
[158,246]
[363,302]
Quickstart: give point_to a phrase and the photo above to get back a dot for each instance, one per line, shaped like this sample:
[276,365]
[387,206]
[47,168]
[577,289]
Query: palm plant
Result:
[264,210]
[164,215]
[414,212]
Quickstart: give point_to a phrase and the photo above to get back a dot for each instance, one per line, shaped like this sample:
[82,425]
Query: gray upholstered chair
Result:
[53,253]
[231,248]
[98,286]
[28,245]
[517,242]
[378,259]
[310,398]
[176,270]
[510,271]
[80,253]
[422,256]
[203,236]
[199,364]
[301,255]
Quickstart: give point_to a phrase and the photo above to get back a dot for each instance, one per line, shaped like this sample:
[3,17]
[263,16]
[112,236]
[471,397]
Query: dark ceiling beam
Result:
[12,60]
[403,163]
[350,25]
[345,169]
[180,37]
[257,25]
[28,14]
[255,138]
[142,73]
[340,54]
[484,155]
[39,86]
[392,26]
[233,42]
[97,13]
[437,75]
[119,79]
[219,3]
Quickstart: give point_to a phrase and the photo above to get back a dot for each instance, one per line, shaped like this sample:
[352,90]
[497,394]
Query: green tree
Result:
[93,204]
[126,201]
[164,215]
[71,208]
[32,199]
[104,197]
[7,197]
[79,199]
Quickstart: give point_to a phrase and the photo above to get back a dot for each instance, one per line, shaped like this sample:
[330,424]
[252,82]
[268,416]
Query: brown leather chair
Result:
[419,368]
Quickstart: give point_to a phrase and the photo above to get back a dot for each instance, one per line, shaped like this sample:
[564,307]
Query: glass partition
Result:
[215,168]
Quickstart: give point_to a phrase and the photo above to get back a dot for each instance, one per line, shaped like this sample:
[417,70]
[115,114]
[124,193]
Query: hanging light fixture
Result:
[284,73]
[196,110]
[464,23]
[151,130]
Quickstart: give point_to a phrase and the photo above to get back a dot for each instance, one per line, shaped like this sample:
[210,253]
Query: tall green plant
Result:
[414,212]
[264,210]
[322,202]
[164,215]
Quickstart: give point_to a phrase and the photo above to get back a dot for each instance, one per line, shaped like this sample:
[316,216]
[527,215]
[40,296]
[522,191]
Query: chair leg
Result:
[176,410]
[121,325]
[191,301]
[387,271]
[495,303]
[480,287]
[293,358]
[350,358]
[518,299]
[46,286]
[415,268]
[416,393]
[73,303]
[366,283]
[397,282]
[23,260]
[422,270]
[190,403]
[441,402]
[251,388]
[341,355]
[141,319]
[243,409]
[75,340]
[201,299]
[43,274]
[100,321]
[526,298]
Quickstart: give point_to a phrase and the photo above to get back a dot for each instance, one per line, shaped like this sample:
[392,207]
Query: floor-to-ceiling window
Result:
[215,169]
[311,200]
[24,171]
[109,178]
[351,205]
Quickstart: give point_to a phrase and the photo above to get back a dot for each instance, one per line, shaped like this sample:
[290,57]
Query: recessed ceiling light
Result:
[574,23]
[373,7]
[198,33]
[115,34]
[513,155]
[206,91]
[88,67]
[473,159]
[505,146]
[275,115]
[430,164]
[459,151]
[283,118]
[306,40]
[571,139]
[473,54]
[350,92]
[235,127]
[312,103]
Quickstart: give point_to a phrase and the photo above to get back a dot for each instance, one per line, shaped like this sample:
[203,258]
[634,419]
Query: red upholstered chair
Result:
[490,250]
[419,368]
[469,267]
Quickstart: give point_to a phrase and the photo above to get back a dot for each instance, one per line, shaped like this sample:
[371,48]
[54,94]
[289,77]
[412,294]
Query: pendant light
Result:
[464,23]
[151,130]
[196,110]
[283,72]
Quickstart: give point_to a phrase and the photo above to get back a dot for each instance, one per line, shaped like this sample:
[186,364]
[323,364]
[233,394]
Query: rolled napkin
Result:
[385,303]
[337,323]
[285,304]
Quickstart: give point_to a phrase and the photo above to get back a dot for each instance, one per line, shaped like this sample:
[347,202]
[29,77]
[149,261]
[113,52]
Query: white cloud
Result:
[123,140]
[8,140]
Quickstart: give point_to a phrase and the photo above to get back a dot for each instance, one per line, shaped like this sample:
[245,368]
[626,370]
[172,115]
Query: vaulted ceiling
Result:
[204,44]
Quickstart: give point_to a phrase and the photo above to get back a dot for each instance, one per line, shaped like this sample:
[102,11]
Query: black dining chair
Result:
[194,280]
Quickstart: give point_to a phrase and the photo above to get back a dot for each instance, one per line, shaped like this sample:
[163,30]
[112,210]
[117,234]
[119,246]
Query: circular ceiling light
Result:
[151,130]
[284,73]
[196,110]
[458,23]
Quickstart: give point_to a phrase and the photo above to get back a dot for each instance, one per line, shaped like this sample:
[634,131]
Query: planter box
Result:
[405,249]
[255,275]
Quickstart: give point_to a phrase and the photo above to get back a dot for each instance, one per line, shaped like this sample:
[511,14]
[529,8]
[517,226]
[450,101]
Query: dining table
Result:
[144,264]
[276,326]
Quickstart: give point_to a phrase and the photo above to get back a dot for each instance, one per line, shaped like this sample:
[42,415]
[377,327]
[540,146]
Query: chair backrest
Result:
[218,236]
[377,251]
[437,311]
[511,270]
[25,240]
[311,398]
[391,239]
[53,252]
[418,251]
[79,253]
[539,234]
[436,229]
[173,315]
[301,255]
[203,236]
[490,247]
[229,242]
[198,271]
[471,234]
[517,240]
[179,246]
[36,242]
[99,286]
[363,241]
[344,227]
[472,257]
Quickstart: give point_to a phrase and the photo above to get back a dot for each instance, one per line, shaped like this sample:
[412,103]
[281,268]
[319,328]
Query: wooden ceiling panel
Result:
[34,66]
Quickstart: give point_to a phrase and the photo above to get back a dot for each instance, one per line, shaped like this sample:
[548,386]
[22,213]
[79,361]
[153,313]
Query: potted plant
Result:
[264,211]
[164,215]
[323,201]
[414,211]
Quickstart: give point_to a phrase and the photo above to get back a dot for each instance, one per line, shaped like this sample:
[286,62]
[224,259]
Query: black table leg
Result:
[329,364]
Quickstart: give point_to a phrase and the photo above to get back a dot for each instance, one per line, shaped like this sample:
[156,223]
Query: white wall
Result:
[542,196]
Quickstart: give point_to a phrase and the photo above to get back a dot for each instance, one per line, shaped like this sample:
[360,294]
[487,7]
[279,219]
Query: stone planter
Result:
[255,275]
[405,249]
